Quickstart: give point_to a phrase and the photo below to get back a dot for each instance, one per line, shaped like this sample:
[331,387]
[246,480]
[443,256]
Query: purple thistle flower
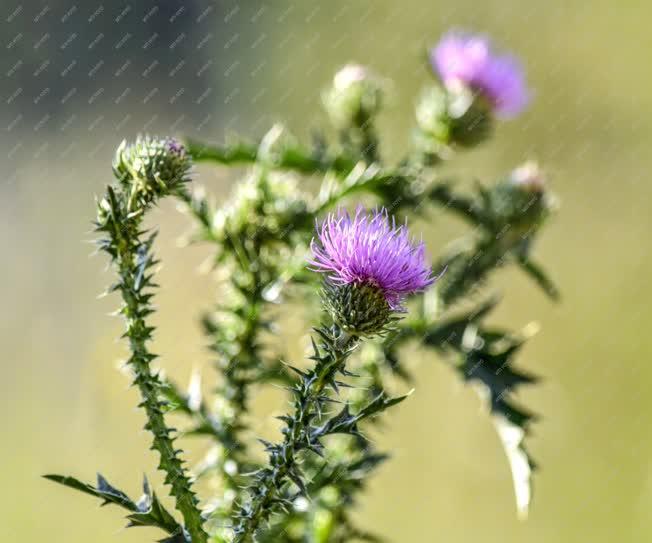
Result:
[468,59]
[370,249]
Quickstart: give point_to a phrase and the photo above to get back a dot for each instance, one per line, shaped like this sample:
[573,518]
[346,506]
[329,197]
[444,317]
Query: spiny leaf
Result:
[152,513]
[156,515]
[345,422]
[495,372]
[378,404]
[369,462]
[147,512]
[103,490]
[117,496]
[486,359]
[467,208]
[538,274]
[449,333]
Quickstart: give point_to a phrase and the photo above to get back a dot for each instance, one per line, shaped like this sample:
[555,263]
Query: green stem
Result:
[134,260]
[295,158]
[238,358]
[368,142]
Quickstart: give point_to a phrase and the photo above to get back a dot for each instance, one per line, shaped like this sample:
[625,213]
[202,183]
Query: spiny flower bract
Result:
[469,60]
[153,165]
[370,249]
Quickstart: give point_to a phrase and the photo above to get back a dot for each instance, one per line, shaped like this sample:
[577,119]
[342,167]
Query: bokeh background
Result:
[78,77]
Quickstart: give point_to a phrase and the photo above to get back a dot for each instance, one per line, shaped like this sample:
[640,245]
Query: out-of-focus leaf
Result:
[467,208]
[486,360]
[512,437]
[539,276]
[449,333]
[497,380]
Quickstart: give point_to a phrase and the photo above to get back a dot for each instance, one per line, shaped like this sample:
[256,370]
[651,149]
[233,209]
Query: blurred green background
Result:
[207,69]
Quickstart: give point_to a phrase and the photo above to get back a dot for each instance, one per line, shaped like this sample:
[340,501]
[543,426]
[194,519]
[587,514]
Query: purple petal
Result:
[370,248]
[469,59]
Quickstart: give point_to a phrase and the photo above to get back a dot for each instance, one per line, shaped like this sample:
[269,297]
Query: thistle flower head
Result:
[152,166]
[371,265]
[468,60]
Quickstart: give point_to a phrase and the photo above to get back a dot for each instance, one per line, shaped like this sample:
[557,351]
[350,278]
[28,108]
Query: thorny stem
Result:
[235,391]
[367,180]
[283,459]
[133,258]
[237,356]
[369,142]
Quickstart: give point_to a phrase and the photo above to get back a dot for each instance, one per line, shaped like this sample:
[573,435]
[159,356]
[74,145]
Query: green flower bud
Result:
[529,178]
[522,201]
[432,115]
[455,116]
[361,309]
[354,98]
[151,167]
[471,118]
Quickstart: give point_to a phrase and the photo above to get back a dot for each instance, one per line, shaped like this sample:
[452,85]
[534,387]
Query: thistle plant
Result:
[371,267]
[362,281]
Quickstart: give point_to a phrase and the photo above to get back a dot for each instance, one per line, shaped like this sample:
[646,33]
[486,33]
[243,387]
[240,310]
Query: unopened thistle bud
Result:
[523,200]
[151,167]
[453,117]
[371,266]
[529,178]
[354,98]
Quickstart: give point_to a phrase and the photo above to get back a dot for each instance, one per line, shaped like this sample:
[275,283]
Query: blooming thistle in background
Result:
[468,61]
[478,86]
[371,267]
